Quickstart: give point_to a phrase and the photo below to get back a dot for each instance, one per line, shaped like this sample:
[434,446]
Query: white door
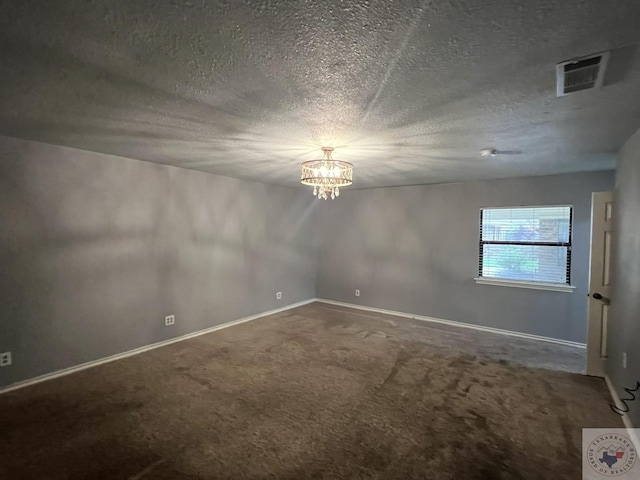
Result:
[599,281]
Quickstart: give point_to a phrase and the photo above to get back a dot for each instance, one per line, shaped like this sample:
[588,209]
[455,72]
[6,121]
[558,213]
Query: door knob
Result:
[598,296]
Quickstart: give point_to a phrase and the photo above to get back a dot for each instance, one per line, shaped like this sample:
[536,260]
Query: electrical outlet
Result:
[5,359]
[169,320]
[357,292]
[624,359]
[278,295]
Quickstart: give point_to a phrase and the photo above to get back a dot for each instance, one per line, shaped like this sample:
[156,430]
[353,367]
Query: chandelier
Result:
[326,176]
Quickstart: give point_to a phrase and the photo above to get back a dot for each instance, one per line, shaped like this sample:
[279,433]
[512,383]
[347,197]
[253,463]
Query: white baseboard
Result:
[458,324]
[618,403]
[136,351]
[84,366]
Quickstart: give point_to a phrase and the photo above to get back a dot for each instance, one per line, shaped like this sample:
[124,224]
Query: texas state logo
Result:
[610,454]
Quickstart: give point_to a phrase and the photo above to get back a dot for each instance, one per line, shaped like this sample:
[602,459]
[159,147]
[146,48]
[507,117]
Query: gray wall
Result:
[95,250]
[624,325]
[415,249]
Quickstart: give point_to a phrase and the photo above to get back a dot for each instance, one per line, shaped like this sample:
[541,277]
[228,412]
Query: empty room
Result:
[319,239]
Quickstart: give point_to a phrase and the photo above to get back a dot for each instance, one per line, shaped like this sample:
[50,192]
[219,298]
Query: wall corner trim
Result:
[625,418]
[458,324]
[631,430]
[136,351]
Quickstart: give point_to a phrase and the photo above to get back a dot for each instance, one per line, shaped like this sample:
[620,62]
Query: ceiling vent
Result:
[581,73]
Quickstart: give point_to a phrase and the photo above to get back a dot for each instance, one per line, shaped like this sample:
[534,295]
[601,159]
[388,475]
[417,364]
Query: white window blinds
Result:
[526,243]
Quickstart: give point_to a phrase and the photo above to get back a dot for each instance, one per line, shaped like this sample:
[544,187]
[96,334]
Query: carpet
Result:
[316,392]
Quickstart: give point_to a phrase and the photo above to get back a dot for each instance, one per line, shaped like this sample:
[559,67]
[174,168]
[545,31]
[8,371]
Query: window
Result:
[526,244]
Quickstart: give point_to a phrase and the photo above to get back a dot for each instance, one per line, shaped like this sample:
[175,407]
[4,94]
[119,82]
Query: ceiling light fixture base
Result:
[488,152]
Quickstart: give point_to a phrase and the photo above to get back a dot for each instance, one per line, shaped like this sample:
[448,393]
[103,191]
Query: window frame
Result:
[533,284]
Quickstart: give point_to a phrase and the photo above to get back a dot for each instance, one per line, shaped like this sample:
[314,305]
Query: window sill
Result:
[554,287]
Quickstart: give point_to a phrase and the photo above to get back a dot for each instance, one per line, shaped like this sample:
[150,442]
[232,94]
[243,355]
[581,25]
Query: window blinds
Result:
[526,243]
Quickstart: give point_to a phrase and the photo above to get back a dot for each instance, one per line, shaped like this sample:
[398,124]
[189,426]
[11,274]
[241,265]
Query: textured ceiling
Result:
[407,91]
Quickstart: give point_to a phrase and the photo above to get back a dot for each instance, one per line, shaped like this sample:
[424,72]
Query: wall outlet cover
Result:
[169,320]
[278,295]
[5,359]
[357,292]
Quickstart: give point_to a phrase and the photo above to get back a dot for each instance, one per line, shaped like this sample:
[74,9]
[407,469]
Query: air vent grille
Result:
[581,74]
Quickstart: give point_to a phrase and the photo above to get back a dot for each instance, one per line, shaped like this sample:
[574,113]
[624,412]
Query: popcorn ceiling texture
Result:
[250,89]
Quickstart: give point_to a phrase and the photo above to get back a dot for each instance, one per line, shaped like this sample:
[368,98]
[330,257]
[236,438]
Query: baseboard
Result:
[625,418]
[146,348]
[94,363]
[457,324]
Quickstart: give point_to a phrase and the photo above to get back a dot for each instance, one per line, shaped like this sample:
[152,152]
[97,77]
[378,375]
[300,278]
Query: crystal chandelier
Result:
[327,175]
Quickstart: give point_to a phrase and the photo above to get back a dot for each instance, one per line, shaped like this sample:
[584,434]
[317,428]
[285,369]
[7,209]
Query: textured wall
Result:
[415,249]
[624,327]
[96,250]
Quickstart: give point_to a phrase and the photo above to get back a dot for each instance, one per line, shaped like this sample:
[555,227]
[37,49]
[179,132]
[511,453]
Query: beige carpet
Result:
[319,392]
